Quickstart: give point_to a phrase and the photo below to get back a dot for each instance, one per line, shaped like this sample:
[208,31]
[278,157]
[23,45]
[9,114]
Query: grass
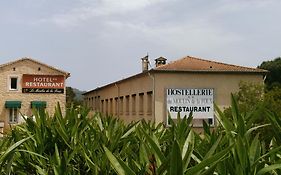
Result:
[79,144]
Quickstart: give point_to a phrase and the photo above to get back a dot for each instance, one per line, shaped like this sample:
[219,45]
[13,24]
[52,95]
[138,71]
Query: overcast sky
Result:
[100,41]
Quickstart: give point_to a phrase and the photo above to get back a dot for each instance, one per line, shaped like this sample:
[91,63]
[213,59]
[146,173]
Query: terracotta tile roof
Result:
[67,74]
[194,64]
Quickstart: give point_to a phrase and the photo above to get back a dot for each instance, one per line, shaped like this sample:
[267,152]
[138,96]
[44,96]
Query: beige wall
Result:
[136,89]
[223,84]
[26,67]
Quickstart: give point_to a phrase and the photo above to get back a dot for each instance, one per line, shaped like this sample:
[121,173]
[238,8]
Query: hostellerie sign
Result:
[42,83]
[199,101]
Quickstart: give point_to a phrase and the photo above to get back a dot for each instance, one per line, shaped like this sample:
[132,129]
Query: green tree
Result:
[70,95]
[71,98]
[273,77]
[249,96]
[272,100]
[254,97]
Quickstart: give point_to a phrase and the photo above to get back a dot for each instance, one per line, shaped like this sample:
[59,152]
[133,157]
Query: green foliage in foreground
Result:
[273,78]
[79,144]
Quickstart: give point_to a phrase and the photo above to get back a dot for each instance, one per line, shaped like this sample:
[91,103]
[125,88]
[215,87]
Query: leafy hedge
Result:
[79,144]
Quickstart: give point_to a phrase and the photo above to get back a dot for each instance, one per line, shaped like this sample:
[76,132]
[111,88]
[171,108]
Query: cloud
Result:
[230,6]
[89,9]
[196,35]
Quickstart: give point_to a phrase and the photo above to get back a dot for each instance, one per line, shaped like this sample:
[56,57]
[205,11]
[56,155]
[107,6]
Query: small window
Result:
[116,106]
[95,104]
[111,106]
[102,108]
[98,104]
[121,106]
[149,103]
[106,107]
[134,104]
[13,115]
[141,103]
[13,83]
[127,105]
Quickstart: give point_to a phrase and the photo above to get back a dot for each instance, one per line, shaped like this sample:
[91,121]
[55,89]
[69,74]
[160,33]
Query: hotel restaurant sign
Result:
[184,101]
[42,83]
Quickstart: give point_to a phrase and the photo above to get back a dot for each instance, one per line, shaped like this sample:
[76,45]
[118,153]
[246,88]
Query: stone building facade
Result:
[26,84]
[187,84]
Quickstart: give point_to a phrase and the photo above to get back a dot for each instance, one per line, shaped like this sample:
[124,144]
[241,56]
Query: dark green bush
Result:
[81,144]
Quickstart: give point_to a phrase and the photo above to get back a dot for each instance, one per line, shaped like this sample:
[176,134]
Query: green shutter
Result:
[38,104]
[13,104]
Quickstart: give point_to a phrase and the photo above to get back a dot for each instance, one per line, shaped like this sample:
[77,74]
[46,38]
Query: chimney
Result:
[160,61]
[145,63]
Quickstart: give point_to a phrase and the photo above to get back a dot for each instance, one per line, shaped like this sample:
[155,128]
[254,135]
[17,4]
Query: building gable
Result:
[26,84]
[33,65]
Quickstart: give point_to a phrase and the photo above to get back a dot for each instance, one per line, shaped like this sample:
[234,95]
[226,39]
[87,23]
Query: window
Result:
[13,109]
[121,106]
[13,115]
[141,103]
[13,83]
[149,103]
[95,104]
[98,104]
[111,106]
[102,101]
[116,106]
[134,104]
[127,105]
[106,107]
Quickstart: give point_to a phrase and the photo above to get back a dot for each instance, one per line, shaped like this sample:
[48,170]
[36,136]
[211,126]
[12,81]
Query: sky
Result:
[101,41]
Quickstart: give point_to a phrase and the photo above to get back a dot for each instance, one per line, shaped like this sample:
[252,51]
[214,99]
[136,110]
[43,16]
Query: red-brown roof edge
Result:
[200,59]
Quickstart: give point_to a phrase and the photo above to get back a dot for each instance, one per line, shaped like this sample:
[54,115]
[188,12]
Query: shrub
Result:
[79,144]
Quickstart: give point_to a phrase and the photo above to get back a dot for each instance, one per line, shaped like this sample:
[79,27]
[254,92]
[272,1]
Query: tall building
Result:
[26,84]
[185,85]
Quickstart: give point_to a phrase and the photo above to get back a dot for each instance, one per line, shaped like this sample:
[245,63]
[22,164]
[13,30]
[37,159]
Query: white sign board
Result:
[183,101]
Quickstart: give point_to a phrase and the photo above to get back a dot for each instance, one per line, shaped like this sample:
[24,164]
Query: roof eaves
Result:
[119,81]
[216,62]
[210,71]
[162,67]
